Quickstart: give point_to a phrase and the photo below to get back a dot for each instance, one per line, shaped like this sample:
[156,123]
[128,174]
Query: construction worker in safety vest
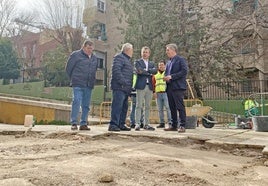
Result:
[159,90]
[133,95]
[250,106]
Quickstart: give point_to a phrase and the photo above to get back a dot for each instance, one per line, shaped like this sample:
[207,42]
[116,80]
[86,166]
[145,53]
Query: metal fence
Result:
[226,99]
[233,89]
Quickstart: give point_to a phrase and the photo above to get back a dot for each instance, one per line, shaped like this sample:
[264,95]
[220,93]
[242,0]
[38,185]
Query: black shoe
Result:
[148,127]
[114,128]
[132,126]
[170,129]
[161,125]
[74,127]
[125,128]
[142,125]
[84,127]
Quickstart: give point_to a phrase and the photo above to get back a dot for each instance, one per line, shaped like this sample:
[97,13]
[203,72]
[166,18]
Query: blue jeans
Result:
[119,109]
[133,110]
[81,98]
[162,101]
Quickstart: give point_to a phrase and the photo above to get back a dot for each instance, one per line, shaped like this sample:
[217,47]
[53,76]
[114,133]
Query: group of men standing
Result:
[167,84]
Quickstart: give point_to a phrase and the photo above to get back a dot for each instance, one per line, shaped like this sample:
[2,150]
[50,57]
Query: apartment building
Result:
[253,41]
[243,25]
[102,23]
[31,47]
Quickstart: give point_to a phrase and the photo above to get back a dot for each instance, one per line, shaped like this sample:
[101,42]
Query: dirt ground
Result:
[71,159]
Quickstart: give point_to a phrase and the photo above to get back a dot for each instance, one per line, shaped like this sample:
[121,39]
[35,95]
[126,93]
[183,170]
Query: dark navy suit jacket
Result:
[178,72]
[143,74]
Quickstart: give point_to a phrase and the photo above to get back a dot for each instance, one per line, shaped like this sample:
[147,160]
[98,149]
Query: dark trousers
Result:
[119,108]
[175,100]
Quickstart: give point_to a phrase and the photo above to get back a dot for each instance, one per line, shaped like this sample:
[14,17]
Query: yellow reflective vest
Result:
[160,84]
[249,103]
[134,80]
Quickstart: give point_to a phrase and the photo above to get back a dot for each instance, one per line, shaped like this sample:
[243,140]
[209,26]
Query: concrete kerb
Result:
[238,137]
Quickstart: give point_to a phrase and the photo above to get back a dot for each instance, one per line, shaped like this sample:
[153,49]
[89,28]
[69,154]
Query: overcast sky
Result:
[24,5]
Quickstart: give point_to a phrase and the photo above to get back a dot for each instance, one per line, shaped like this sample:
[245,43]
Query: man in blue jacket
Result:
[175,77]
[81,68]
[121,85]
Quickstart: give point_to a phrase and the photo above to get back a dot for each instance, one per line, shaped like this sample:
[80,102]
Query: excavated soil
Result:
[113,159]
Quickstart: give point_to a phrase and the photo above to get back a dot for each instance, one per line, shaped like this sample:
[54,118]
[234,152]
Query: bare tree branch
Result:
[7,12]
[64,20]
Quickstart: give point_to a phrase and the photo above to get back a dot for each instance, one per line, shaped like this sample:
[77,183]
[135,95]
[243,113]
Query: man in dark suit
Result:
[175,77]
[144,70]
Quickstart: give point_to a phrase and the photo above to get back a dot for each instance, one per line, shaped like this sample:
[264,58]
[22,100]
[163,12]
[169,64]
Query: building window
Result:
[34,49]
[103,32]
[246,48]
[246,43]
[101,6]
[98,31]
[24,52]
[100,63]
[244,7]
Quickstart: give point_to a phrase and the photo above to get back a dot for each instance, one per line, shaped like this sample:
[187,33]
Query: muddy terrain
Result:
[112,159]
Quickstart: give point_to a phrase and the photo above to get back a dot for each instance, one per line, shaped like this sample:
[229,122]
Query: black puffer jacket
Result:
[81,69]
[122,73]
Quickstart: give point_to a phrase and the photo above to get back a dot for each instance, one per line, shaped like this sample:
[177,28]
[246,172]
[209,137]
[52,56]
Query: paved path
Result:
[216,135]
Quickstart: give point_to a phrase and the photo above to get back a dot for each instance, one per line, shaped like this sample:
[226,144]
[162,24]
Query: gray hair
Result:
[126,47]
[172,46]
[88,42]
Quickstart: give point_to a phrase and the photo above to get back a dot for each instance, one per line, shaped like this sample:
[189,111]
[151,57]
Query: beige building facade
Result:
[101,23]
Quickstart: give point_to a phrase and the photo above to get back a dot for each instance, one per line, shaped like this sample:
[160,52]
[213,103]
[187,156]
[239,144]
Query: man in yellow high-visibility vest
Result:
[159,89]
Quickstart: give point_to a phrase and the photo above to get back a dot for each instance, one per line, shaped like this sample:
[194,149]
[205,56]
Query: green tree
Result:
[191,25]
[9,66]
[54,68]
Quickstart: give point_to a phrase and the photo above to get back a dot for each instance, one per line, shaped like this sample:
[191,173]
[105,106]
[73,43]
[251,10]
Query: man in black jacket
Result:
[175,77]
[81,68]
[121,85]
